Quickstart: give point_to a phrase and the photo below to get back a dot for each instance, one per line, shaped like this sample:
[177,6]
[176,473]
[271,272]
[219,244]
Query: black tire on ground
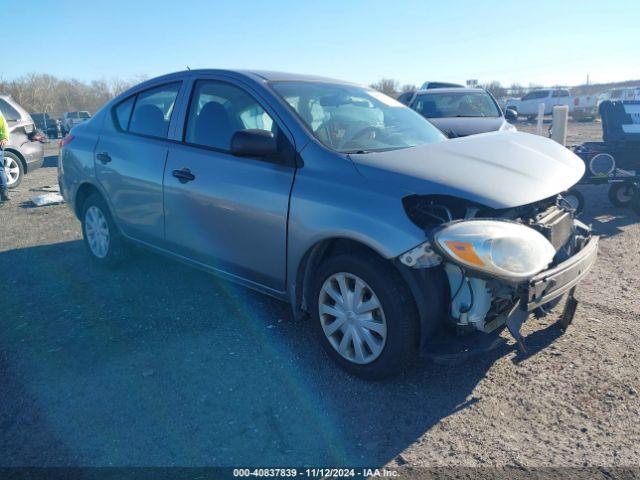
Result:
[403,325]
[13,158]
[575,198]
[116,248]
[635,201]
[620,194]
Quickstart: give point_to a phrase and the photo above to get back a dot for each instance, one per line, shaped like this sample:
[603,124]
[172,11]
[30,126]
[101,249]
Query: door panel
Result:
[228,212]
[232,216]
[133,182]
[130,160]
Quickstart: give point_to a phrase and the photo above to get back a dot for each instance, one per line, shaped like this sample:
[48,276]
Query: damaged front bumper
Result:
[482,304]
[551,284]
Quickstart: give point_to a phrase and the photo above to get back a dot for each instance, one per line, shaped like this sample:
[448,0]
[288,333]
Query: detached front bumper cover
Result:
[558,280]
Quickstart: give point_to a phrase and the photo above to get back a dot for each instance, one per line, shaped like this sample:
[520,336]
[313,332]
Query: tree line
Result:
[44,93]
[393,88]
[41,92]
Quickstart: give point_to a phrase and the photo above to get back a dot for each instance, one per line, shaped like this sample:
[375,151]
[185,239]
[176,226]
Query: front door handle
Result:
[103,157]
[184,175]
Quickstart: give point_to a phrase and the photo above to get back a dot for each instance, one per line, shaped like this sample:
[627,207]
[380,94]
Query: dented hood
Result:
[498,169]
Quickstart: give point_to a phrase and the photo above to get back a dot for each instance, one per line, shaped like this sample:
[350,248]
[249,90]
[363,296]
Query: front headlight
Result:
[504,249]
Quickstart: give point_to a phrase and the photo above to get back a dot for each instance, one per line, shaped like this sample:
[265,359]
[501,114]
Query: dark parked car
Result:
[458,112]
[24,152]
[406,97]
[50,126]
[336,198]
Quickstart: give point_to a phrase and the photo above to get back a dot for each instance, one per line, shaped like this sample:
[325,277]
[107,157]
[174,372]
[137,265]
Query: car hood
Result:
[498,169]
[461,127]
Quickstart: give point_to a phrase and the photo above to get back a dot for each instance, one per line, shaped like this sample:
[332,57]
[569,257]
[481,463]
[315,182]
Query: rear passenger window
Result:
[10,114]
[218,110]
[123,113]
[152,111]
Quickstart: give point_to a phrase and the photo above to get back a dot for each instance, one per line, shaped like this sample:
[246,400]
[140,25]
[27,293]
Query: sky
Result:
[543,42]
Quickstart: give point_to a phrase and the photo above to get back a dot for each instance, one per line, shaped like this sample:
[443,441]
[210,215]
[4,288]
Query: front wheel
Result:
[100,234]
[365,316]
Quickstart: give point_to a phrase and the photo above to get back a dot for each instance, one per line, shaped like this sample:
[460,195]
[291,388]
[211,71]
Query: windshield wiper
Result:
[357,152]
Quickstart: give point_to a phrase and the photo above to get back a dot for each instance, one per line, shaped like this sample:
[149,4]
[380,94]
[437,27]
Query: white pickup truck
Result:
[527,106]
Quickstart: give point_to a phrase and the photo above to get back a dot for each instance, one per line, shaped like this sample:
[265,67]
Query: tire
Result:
[621,194]
[635,201]
[14,169]
[95,213]
[575,198]
[398,342]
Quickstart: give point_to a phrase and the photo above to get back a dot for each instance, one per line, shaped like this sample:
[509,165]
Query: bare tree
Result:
[517,90]
[387,86]
[38,92]
[495,88]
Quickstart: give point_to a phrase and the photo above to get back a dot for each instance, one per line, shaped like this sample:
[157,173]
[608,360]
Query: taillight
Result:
[66,140]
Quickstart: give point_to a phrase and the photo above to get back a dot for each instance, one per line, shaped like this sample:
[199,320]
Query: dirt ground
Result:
[158,364]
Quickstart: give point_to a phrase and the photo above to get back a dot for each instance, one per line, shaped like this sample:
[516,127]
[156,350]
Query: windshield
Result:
[458,104]
[352,119]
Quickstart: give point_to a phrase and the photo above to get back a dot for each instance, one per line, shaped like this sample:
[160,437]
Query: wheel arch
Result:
[428,287]
[16,152]
[82,193]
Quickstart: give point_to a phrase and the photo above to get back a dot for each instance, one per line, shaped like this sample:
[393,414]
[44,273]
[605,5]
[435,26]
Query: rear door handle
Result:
[103,157]
[184,175]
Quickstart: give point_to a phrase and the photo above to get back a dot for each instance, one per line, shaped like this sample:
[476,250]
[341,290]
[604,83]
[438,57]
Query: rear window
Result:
[10,114]
[152,110]
[122,113]
[536,95]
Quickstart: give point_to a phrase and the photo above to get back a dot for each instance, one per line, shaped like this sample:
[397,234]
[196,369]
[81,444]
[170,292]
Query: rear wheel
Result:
[620,194]
[101,236]
[365,316]
[14,169]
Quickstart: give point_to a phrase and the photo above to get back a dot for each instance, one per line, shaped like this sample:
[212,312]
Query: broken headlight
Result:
[504,249]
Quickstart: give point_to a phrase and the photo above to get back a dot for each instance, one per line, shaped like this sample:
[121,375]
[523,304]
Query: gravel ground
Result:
[159,364]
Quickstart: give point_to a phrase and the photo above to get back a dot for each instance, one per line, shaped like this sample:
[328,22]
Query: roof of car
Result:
[435,91]
[264,75]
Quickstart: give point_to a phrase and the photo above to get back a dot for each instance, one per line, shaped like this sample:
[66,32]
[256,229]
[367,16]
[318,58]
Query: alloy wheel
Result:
[12,170]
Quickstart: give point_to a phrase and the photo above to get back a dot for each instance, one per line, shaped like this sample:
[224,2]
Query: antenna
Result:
[188,68]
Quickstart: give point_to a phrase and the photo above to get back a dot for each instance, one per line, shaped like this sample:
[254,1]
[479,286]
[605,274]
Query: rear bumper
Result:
[550,284]
[33,153]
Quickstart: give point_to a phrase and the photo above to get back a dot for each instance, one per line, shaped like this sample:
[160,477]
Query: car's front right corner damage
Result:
[500,265]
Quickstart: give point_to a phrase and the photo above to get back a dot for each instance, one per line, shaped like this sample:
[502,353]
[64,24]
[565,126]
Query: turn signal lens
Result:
[465,252]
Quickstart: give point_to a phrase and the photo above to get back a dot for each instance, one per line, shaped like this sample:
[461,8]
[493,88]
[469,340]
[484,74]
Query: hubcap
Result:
[97,231]
[12,170]
[352,318]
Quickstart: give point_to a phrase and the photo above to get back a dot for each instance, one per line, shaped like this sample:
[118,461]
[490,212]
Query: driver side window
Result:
[218,110]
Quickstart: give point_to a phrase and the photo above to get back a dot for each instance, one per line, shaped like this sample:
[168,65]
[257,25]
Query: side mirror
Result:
[253,143]
[510,114]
